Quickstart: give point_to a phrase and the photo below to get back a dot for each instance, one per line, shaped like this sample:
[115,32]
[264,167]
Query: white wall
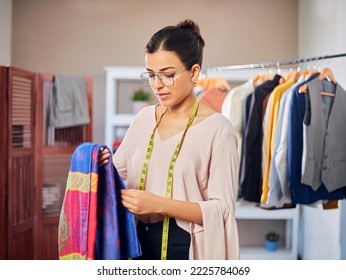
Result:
[343,231]
[322,32]
[5,31]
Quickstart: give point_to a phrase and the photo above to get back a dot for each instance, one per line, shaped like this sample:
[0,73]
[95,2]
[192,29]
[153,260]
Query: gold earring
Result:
[194,83]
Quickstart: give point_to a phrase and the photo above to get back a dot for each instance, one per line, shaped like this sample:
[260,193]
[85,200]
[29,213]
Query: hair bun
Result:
[189,24]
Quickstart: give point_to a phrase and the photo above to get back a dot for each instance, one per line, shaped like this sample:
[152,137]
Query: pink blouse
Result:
[206,172]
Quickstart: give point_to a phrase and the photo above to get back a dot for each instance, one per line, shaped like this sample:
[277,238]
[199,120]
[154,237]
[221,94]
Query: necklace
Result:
[169,185]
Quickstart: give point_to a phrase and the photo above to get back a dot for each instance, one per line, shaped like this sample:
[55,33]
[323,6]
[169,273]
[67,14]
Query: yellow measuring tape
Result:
[169,187]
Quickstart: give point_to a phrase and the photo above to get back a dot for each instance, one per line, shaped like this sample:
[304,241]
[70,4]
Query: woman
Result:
[180,158]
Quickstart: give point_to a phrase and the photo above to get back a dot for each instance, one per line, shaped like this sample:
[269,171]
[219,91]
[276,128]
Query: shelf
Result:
[250,211]
[113,120]
[260,253]
[247,211]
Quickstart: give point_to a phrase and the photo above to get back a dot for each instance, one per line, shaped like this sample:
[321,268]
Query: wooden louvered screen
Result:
[3,162]
[22,116]
[21,160]
[34,164]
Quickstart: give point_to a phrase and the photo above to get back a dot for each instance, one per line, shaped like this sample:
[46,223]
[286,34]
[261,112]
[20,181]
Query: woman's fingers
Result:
[138,201]
[103,157]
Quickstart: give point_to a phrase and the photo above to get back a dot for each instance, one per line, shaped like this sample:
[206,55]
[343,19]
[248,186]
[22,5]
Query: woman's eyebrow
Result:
[162,69]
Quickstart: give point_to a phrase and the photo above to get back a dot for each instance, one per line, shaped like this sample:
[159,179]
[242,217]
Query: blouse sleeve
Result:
[220,239]
[121,155]
[120,158]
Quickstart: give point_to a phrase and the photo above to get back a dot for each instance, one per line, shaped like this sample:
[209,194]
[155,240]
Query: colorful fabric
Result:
[93,223]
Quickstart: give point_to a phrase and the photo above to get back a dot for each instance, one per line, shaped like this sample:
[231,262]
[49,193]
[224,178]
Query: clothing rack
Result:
[270,64]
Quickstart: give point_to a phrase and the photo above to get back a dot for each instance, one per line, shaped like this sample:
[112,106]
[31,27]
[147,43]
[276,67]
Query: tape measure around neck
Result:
[169,186]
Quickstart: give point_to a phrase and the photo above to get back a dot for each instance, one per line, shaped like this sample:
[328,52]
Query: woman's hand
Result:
[140,202]
[104,155]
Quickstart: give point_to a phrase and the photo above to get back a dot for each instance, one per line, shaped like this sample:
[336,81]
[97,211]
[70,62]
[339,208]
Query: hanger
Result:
[262,78]
[259,77]
[222,84]
[309,72]
[278,70]
[219,83]
[326,73]
[293,75]
[306,74]
[256,78]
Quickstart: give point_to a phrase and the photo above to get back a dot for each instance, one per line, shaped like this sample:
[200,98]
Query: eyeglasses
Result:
[166,79]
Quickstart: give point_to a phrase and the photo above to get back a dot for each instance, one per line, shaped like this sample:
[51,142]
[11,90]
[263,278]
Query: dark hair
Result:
[184,39]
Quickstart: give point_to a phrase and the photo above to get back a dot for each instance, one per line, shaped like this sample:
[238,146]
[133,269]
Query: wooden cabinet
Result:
[35,161]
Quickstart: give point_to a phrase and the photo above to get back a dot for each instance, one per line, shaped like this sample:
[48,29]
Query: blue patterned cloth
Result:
[110,208]
[115,230]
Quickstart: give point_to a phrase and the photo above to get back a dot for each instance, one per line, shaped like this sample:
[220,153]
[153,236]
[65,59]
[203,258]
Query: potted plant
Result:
[272,239]
[140,99]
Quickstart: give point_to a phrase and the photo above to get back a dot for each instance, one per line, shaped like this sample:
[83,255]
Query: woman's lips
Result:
[162,95]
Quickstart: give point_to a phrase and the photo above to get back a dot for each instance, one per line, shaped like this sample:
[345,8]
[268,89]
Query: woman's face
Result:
[174,83]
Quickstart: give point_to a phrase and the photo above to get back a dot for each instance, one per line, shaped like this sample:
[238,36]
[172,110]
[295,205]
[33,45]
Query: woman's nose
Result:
[157,82]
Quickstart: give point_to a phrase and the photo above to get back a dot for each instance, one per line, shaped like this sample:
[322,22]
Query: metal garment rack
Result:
[277,64]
